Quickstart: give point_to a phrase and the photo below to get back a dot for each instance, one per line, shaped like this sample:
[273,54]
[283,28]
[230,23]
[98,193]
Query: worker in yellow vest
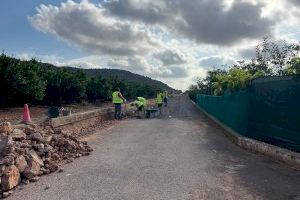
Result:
[140,105]
[144,100]
[118,99]
[159,101]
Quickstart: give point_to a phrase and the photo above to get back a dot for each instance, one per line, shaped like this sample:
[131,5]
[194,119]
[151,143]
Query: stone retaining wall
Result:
[82,123]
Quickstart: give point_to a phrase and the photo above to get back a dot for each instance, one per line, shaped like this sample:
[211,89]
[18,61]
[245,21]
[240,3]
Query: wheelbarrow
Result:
[151,112]
[54,112]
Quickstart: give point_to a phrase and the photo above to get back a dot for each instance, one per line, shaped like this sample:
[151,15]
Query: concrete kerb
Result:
[61,121]
[280,154]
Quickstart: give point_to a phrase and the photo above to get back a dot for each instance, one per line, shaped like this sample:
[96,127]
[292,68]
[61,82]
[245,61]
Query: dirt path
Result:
[182,155]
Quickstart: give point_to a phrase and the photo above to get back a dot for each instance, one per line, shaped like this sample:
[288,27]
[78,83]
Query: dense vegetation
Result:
[273,58]
[41,83]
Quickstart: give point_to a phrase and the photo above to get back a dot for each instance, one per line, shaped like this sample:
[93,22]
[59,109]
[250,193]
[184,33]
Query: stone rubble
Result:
[27,154]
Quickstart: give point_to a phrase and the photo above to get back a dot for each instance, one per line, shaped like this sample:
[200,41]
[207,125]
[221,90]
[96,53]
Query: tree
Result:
[294,67]
[41,83]
[273,56]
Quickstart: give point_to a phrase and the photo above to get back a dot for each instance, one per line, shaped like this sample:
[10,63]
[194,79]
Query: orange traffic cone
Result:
[26,114]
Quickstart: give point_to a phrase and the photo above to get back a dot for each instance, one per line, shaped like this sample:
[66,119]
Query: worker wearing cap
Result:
[159,101]
[117,100]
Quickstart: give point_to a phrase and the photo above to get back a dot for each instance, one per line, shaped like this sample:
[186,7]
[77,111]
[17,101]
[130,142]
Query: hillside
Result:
[40,83]
[123,75]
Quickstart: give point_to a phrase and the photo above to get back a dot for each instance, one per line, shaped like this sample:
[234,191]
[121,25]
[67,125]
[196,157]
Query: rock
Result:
[34,126]
[10,178]
[21,163]
[5,128]
[34,156]
[29,130]
[78,155]
[26,182]
[47,160]
[5,145]
[35,151]
[55,157]
[25,145]
[18,134]
[69,160]
[57,131]
[35,179]
[2,168]
[52,166]
[60,170]
[32,170]
[43,170]
[48,148]
[10,160]
[7,160]
[89,149]
[36,136]
[39,147]
[5,194]
[86,153]
[47,139]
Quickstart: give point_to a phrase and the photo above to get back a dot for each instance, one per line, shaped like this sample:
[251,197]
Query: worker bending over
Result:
[140,104]
[118,99]
[144,100]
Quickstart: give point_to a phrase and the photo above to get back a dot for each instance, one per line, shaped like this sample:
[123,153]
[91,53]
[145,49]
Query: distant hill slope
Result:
[119,73]
[34,82]
[124,75]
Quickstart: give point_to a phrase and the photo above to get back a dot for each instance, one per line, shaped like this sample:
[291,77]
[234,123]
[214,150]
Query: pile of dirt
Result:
[34,151]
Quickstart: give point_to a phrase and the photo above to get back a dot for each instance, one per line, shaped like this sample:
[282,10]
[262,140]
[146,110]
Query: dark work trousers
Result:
[118,110]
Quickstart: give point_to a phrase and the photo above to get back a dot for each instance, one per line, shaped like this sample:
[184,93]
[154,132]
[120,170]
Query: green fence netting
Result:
[231,109]
[269,110]
[274,111]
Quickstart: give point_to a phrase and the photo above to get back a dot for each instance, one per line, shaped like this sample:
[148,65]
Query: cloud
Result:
[178,72]
[170,57]
[295,2]
[247,53]
[86,26]
[200,20]
[215,61]
[141,65]
[148,11]
[171,40]
[136,64]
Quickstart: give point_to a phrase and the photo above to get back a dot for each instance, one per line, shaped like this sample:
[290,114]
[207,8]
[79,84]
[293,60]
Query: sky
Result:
[174,41]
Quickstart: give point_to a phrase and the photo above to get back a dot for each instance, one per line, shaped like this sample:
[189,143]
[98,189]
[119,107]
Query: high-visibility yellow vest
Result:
[159,98]
[116,98]
[138,103]
[142,99]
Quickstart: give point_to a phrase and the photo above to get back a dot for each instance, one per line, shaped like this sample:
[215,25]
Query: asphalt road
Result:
[182,155]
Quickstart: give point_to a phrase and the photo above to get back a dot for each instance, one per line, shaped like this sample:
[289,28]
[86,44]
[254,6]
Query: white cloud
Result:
[86,26]
[170,57]
[215,61]
[210,22]
[173,41]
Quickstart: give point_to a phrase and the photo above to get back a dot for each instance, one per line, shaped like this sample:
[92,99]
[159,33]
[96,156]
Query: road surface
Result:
[182,155]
